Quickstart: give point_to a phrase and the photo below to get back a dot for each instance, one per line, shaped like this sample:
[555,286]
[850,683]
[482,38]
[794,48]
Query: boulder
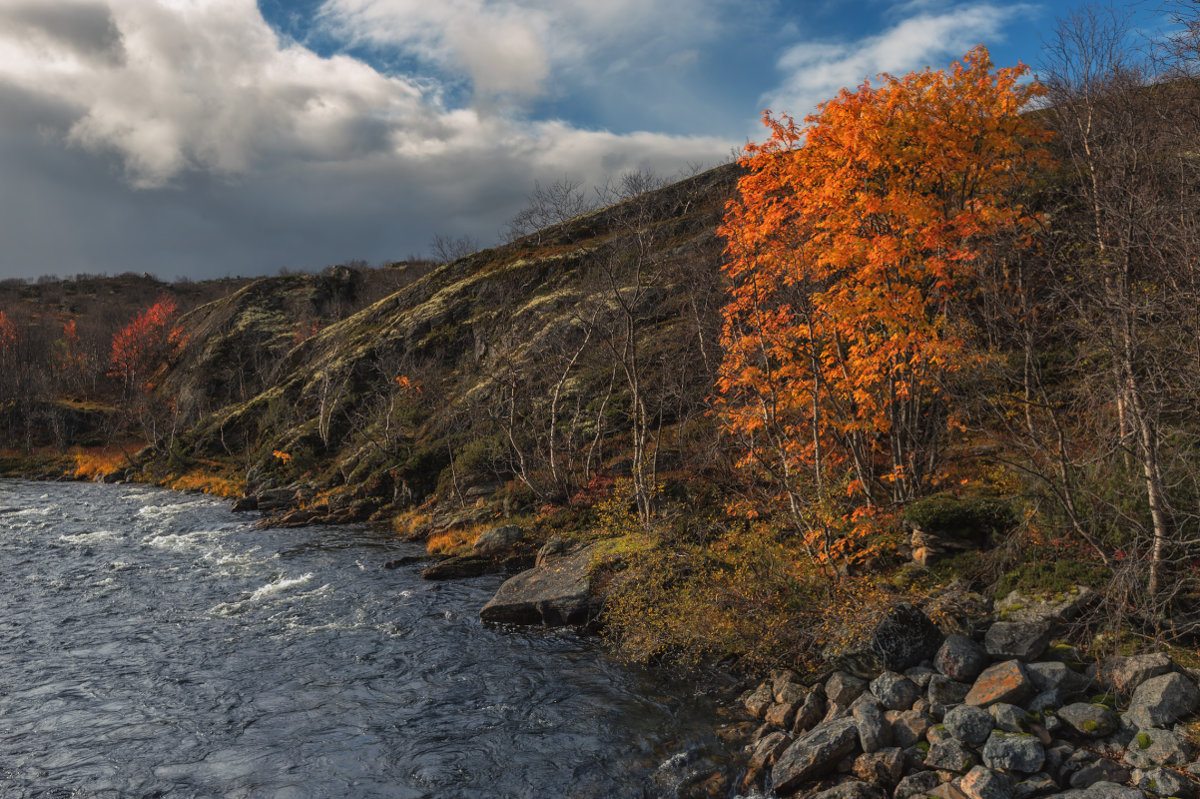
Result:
[782,714]
[1164,782]
[916,785]
[497,540]
[842,688]
[902,638]
[1009,718]
[895,692]
[1034,785]
[873,732]
[1163,700]
[1154,747]
[1014,752]
[960,658]
[1017,639]
[1091,721]
[969,724]
[1122,675]
[556,593]
[759,701]
[983,783]
[767,749]
[1054,608]
[460,568]
[1099,770]
[851,789]
[814,754]
[945,691]
[1002,682]
[810,712]
[951,754]
[1102,790]
[908,726]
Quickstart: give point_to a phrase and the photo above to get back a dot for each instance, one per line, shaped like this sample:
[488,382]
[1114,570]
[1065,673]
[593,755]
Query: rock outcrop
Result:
[558,592]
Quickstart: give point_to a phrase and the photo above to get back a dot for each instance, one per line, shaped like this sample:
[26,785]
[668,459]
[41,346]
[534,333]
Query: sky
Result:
[208,138]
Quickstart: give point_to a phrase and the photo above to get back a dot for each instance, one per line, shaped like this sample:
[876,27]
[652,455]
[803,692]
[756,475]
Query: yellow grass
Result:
[456,541]
[93,462]
[208,482]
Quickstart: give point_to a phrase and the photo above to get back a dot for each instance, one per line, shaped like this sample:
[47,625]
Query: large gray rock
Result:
[1155,747]
[1164,782]
[814,754]
[969,724]
[842,688]
[894,691]
[851,789]
[1014,752]
[900,640]
[1059,607]
[908,726]
[1056,676]
[497,540]
[810,712]
[1101,790]
[1092,721]
[1122,675]
[758,702]
[873,732]
[556,593]
[917,785]
[951,754]
[960,658]
[1163,700]
[1010,718]
[1024,640]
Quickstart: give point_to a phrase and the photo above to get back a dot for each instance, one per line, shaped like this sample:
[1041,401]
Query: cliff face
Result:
[512,365]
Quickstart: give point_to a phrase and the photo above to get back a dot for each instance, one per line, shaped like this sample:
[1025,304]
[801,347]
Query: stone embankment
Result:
[999,715]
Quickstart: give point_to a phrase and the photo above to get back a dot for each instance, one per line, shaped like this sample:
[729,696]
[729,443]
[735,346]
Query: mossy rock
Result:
[972,519]
[1051,577]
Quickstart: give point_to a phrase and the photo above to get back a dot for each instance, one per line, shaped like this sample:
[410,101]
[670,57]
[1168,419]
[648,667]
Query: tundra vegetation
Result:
[952,315]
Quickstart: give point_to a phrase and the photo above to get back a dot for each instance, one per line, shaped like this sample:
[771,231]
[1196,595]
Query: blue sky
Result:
[202,138]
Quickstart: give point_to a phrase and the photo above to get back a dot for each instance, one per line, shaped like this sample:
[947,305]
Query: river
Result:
[155,644]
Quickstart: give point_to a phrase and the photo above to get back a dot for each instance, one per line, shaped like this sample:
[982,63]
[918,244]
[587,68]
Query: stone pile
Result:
[1005,717]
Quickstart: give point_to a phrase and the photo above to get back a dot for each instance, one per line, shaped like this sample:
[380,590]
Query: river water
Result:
[156,644]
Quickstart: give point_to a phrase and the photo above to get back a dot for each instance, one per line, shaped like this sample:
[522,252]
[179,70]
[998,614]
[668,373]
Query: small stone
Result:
[1009,718]
[894,691]
[1009,751]
[1163,700]
[884,767]
[758,702]
[916,785]
[960,658]
[1164,782]
[1016,639]
[842,688]
[945,691]
[1003,682]
[951,755]
[873,733]
[1092,721]
[969,724]
[810,712]
[983,783]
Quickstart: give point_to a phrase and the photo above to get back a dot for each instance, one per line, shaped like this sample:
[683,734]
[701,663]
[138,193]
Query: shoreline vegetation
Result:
[927,349]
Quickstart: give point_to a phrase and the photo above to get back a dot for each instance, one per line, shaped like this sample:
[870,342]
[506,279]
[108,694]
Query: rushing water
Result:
[155,644]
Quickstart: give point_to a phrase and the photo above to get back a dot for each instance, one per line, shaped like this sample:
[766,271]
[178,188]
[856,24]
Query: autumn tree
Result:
[853,242]
[139,351]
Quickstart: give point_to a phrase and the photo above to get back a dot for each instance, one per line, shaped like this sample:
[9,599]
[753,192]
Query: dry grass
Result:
[457,541]
[208,482]
[93,462]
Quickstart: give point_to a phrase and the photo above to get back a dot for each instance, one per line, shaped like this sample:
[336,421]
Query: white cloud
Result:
[816,71]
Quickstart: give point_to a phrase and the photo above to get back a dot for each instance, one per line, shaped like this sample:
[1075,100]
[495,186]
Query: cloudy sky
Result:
[205,138]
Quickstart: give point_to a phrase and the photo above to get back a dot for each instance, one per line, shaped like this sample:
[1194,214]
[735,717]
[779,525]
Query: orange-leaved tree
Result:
[852,243]
[143,346]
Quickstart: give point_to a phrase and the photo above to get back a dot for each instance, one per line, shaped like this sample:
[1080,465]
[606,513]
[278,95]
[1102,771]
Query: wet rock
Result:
[983,783]
[1163,700]
[945,691]
[247,503]
[1122,675]
[960,658]
[275,499]
[497,541]
[1002,682]
[1015,639]
[842,688]
[460,568]
[555,593]
[814,754]
[1155,747]
[409,560]
[969,724]
[901,639]
[895,692]
[1164,782]
[951,755]
[873,733]
[884,767]
[1010,751]
[916,785]
[1092,721]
